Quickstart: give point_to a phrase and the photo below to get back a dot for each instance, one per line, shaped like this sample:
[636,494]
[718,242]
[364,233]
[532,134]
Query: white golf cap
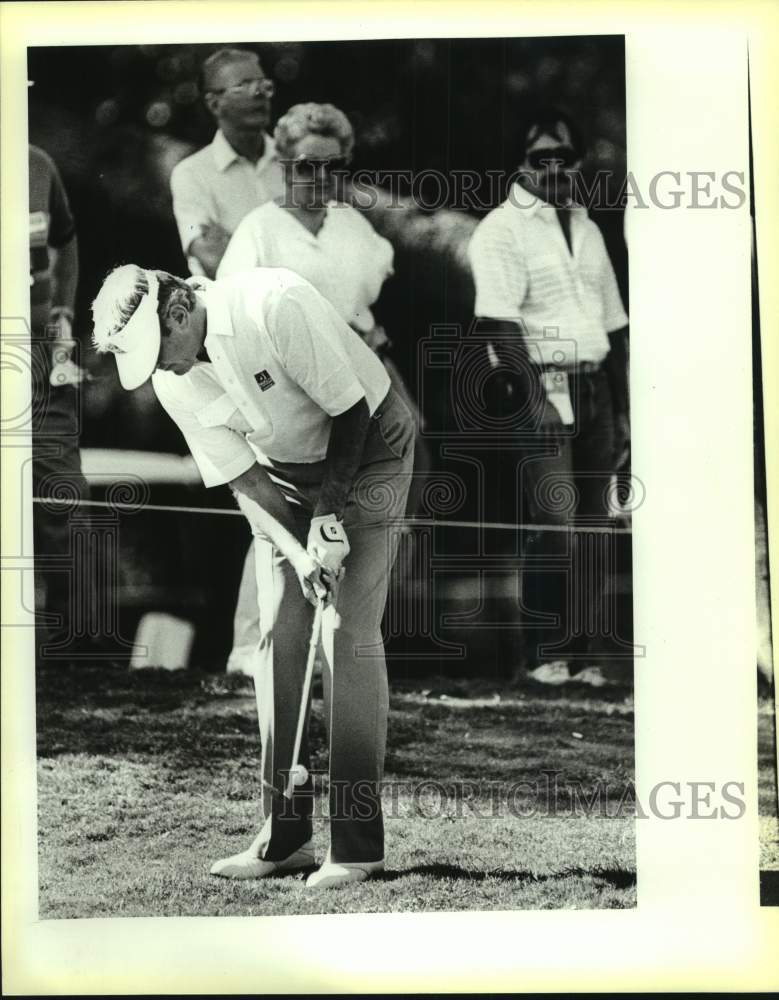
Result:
[136,345]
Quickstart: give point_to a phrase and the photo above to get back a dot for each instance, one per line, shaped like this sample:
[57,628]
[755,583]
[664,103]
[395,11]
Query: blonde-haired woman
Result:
[326,241]
[330,244]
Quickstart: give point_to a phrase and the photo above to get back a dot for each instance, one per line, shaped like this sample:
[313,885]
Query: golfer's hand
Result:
[314,580]
[327,543]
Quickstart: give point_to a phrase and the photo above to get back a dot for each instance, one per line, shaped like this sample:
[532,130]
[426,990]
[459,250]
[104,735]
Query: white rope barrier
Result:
[411,522]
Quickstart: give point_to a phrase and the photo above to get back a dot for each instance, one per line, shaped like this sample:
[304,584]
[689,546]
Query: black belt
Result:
[581,368]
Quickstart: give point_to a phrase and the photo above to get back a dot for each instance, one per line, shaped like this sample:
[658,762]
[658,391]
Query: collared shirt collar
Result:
[224,154]
[303,232]
[521,198]
[218,320]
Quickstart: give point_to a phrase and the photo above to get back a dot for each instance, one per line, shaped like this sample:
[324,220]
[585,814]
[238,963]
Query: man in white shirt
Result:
[279,398]
[547,295]
[213,190]
[216,187]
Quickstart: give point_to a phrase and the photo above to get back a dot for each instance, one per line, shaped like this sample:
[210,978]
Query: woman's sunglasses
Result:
[563,156]
[313,165]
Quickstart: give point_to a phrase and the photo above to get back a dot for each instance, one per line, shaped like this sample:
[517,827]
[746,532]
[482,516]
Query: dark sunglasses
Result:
[310,164]
[564,156]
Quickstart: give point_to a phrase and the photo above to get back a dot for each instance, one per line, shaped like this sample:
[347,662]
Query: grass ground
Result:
[769,823]
[145,778]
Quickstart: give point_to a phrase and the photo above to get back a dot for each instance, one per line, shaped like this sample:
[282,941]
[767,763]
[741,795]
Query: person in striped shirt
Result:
[547,297]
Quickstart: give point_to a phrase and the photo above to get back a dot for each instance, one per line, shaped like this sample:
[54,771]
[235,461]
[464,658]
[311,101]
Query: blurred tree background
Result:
[117,119]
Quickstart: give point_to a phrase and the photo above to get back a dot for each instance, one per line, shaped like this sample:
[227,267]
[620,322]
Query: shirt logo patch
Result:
[264,380]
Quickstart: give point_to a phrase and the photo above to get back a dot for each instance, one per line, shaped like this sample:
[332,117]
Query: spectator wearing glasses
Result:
[216,187]
[308,230]
[331,245]
[546,292]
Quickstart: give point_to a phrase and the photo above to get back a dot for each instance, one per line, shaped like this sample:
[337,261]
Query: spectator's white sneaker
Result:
[592,676]
[556,672]
[246,865]
[333,874]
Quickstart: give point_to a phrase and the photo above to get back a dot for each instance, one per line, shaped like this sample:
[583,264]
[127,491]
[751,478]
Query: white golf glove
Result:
[327,542]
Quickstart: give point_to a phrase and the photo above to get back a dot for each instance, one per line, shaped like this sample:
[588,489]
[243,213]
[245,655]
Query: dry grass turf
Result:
[146,778]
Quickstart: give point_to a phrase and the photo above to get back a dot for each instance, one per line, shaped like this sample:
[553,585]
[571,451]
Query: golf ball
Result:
[299,775]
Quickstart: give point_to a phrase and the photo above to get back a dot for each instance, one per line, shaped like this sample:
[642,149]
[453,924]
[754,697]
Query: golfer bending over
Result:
[278,397]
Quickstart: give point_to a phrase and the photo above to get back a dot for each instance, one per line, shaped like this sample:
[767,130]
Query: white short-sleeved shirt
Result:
[218,185]
[524,271]
[282,364]
[347,261]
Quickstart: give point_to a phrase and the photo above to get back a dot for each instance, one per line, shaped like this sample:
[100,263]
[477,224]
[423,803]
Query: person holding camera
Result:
[547,297]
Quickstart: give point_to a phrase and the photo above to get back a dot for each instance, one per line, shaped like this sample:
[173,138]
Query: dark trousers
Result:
[354,670]
[63,605]
[565,477]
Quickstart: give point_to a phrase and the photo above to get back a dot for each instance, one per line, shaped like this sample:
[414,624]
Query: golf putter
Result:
[298,775]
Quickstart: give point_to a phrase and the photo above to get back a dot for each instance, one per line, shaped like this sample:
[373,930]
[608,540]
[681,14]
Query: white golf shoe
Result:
[333,874]
[592,676]
[554,673]
[247,865]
